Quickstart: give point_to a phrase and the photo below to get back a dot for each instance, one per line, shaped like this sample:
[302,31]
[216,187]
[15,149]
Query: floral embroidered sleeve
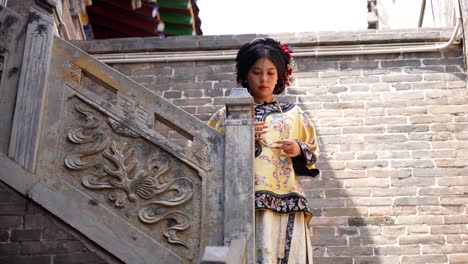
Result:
[304,164]
[218,119]
[307,154]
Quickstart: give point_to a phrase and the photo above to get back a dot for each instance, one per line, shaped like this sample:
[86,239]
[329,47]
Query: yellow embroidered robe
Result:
[277,188]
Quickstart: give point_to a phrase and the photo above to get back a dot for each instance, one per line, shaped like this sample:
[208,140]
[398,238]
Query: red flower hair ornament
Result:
[288,79]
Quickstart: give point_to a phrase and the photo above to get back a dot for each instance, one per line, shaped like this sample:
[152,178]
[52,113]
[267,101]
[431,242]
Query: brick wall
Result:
[31,235]
[393,182]
[393,186]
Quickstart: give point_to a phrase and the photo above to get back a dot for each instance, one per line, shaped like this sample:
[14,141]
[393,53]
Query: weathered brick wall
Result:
[393,187]
[29,234]
[393,165]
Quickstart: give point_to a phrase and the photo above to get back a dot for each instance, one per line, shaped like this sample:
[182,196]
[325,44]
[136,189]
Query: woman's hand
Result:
[289,147]
[259,130]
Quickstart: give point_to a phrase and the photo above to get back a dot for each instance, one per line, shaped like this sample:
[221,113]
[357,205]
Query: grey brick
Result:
[192,85]
[358,65]
[407,128]
[448,229]
[347,105]
[429,85]
[444,77]
[327,82]
[203,118]
[215,77]
[350,251]
[334,260]
[413,182]
[9,249]
[217,89]
[193,94]
[397,250]
[79,258]
[17,208]
[10,197]
[34,221]
[399,63]
[26,259]
[191,102]
[382,71]
[33,208]
[31,248]
[401,86]
[4,235]
[365,221]
[143,80]
[373,240]
[452,68]
[393,192]
[329,241]
[359,80]
[458,258]
[377,260]
[318,66]
[61,247]
[452,61]
[26,234]
[190,109]
[172,94]
[423,69]
[11,221]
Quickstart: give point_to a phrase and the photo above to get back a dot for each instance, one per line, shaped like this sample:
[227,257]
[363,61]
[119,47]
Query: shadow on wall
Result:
[343,231]
[392,133]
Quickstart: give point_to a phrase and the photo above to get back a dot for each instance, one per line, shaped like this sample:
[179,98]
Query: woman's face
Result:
[262,78]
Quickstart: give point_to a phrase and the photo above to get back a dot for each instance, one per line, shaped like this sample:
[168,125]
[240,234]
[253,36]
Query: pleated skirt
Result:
[282,238]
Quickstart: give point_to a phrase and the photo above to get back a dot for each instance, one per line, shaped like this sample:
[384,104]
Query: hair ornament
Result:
[288,79]
[255,40]
[287,48]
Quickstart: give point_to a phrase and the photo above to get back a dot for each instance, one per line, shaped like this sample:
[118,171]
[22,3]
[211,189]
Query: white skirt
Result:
[282,238]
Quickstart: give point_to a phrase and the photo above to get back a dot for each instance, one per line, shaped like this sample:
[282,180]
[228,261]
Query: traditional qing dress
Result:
[281,215]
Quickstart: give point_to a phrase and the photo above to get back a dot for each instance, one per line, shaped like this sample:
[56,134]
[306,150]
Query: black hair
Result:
[269,48]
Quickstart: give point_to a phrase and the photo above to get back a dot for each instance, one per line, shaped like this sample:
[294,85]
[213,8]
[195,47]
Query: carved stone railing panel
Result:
[137,175]
[100,142]
[126,168]
[131,176]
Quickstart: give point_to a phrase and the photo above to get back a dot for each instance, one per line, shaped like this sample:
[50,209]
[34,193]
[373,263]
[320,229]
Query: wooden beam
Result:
[145,10]
[120,27]
[123,18]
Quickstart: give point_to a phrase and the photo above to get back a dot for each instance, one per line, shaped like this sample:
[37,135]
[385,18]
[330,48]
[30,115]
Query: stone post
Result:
[464,15]
[239,218]
[30,99]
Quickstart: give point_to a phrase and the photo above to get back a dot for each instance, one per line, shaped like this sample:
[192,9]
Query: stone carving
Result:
[121,130]
[200,149]
[74,77]
[154,215]
[105,163]
[7,27]
[130,106]
[156,211]
[88,133]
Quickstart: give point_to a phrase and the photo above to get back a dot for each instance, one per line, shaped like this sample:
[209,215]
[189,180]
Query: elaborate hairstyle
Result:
[269,48]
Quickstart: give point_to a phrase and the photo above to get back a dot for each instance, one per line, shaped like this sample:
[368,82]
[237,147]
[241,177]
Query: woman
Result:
[285,145]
